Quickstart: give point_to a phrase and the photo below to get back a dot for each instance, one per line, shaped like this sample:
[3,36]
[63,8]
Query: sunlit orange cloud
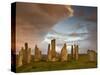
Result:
[33,21]
[71,11]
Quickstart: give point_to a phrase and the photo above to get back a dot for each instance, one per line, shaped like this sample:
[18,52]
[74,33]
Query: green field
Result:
[50,66]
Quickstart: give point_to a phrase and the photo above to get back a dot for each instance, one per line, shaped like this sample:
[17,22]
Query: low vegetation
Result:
[58,65]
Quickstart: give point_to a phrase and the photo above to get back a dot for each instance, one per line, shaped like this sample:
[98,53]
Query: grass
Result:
[58,65]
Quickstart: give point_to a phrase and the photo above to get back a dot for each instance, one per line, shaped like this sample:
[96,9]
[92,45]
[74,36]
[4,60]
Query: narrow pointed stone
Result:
[64,54]
[37,55]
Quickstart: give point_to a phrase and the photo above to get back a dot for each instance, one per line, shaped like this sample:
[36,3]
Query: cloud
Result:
[75,30]
[89,13]
[92,17]
[34,21]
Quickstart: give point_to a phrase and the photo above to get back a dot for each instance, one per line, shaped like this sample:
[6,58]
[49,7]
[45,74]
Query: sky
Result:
[38,24]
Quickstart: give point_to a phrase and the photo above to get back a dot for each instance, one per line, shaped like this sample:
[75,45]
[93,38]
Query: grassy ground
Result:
[49,66]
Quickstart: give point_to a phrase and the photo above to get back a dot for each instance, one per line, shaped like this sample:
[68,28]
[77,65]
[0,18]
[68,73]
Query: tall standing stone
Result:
[76,52]
[29,55]
[37,55]
[53,50]
[72,51]
[49,53]
[25,54]
[64,54]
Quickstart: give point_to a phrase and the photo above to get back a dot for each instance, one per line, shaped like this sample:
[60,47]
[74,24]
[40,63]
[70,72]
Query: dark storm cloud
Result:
[92,17]
[35,20]
[40,14]
[90,13]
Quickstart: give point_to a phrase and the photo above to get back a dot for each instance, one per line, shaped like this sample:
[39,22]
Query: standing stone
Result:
[49,53]
[25,54]
[29,55]
[91,55]
[20,58]
[64,54]
[72,51]
[76,52]
[37,56]
[53,50]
